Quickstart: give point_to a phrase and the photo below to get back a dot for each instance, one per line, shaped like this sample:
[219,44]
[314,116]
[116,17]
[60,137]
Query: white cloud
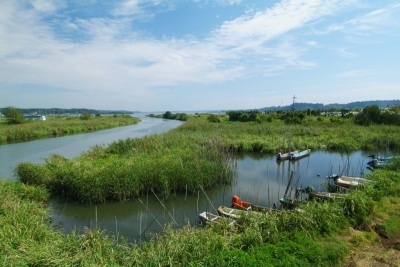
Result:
[356,73]
[47,6]
[112,58]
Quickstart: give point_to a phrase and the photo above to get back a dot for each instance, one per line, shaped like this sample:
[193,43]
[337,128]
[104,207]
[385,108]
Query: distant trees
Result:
[213,118]
[177,116]
[86,116]
[14,115]
[373,115]
[242,115]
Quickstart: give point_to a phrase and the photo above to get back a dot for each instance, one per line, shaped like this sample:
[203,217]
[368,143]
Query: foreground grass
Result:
[325,234]
[59,127]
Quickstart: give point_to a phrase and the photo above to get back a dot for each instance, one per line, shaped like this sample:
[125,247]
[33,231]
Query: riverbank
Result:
[61,126]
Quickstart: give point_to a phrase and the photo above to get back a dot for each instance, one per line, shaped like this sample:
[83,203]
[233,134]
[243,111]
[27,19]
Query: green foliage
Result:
[243,115]
[14,115]
[213,118]
[357,207]
[392,225]
[374,115]
[86,116]
[170,116]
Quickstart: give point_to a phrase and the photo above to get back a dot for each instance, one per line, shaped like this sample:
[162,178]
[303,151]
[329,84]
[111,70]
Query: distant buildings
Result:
[35,117]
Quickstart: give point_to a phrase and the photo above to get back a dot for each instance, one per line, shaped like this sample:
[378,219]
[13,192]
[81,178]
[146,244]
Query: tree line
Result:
[367,116]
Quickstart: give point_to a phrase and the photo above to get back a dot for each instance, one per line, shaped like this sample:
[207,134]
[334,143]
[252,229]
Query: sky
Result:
[193,55]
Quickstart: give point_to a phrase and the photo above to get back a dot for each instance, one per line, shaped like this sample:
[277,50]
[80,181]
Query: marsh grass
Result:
[59,127]
[192,156]
[128,168]
[198,153]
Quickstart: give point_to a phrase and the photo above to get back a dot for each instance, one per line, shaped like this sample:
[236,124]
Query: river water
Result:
[259,179]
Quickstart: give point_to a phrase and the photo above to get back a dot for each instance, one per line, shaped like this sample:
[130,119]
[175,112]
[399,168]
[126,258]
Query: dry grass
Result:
[384,253]
[375,247]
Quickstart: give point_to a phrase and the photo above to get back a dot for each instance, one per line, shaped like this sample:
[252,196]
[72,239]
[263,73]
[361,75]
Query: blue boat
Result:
[301,154]
[378,162]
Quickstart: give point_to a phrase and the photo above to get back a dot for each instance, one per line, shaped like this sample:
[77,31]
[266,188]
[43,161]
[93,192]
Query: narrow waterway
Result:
[72,145]
[259,179]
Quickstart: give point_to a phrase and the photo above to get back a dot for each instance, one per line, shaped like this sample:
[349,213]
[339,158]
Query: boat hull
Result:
[300,154]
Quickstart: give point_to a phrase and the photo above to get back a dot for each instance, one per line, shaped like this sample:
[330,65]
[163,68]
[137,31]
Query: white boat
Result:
[208,217]
[236,213]
[349,181]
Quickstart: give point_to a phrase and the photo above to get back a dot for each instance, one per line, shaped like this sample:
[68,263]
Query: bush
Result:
[213,118]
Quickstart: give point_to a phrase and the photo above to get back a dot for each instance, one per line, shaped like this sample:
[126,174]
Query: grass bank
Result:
[61,126]
[325,234]
[314,132]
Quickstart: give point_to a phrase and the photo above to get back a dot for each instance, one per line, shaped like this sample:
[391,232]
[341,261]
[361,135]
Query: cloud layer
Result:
[103,59]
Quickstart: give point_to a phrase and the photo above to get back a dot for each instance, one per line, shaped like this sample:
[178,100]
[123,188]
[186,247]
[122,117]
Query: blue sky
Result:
[159,55]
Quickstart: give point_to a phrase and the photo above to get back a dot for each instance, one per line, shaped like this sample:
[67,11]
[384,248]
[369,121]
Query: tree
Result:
[14,115]
[213,118]
[167,115]
[86,116]
[369,115]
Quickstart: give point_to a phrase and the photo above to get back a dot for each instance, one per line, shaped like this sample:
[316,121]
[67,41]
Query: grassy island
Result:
[60,126]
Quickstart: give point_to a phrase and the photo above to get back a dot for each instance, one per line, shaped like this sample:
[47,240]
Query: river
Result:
[259,178]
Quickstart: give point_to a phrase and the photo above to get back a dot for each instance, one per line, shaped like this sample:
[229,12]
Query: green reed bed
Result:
[173,162]
[271,137]
[58,127]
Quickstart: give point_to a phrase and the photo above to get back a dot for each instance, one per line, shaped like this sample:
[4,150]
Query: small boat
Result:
[237,203]
[349,181]
[379,162]
[288,203]
[300,154]
[312,194]
[286,156]
[235,213]
[208,217]
[325,195]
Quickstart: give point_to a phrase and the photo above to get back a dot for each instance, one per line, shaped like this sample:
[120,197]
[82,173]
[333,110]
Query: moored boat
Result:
[349,181]
[244,205]
[379,162]
[288,203]
[300,154]
[286,156]
[312,194]
[208,217]
[325,195]
[236,213]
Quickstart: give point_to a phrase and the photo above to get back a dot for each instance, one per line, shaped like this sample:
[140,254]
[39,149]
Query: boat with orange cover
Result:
[244,205]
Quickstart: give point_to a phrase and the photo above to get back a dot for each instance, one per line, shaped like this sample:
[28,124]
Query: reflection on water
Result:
[260,179]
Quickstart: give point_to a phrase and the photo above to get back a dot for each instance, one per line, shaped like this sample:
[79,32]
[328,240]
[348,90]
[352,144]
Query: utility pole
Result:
[294,98]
